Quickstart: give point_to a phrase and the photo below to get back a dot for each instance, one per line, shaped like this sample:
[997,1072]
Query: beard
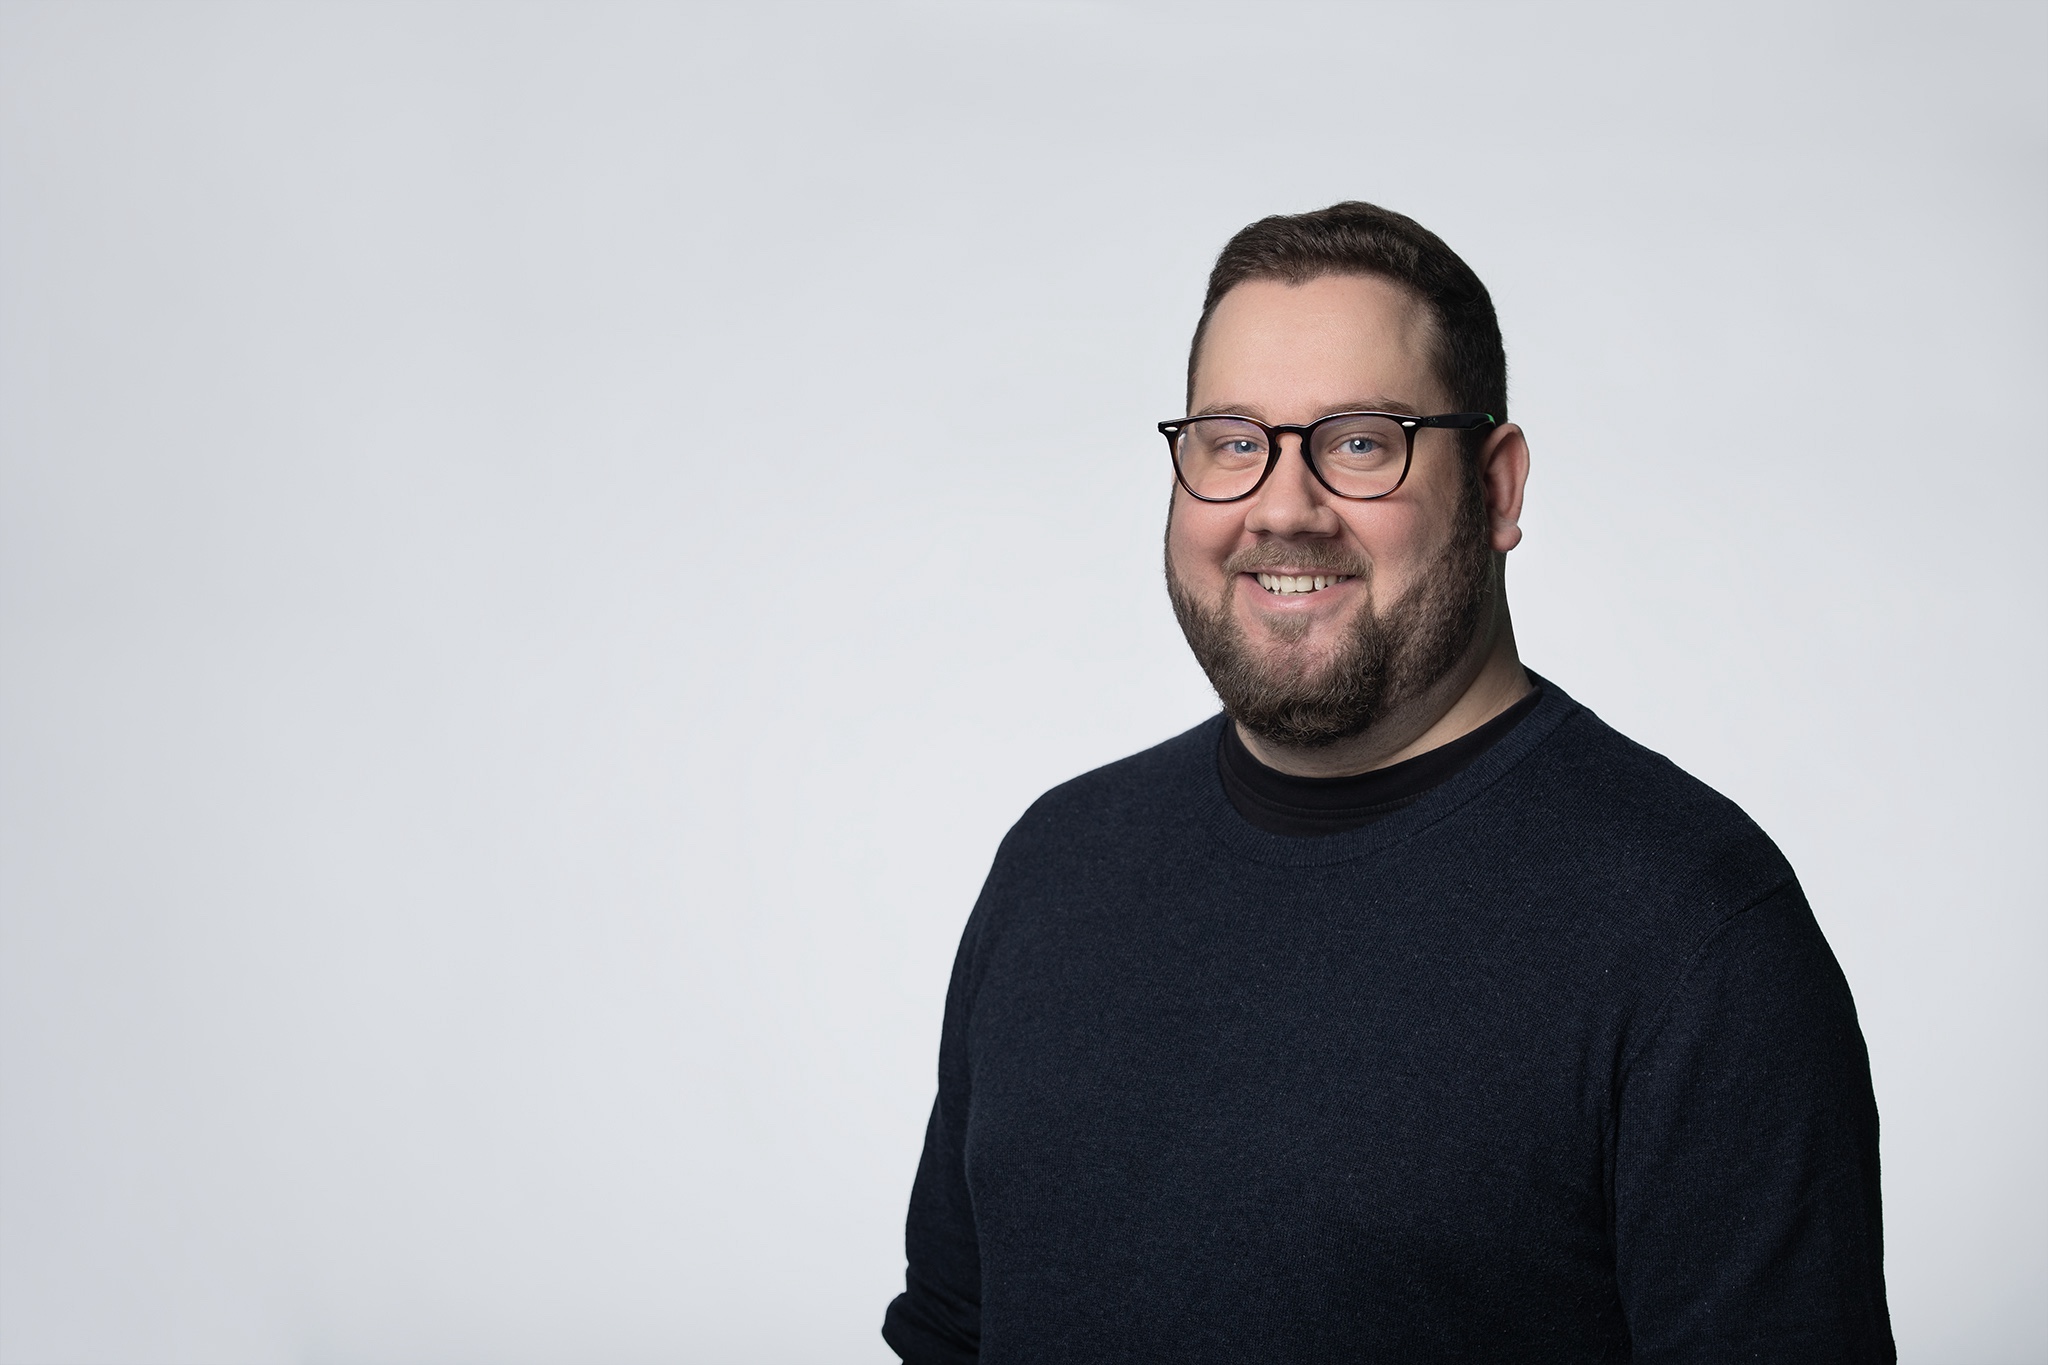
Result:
[1388,657]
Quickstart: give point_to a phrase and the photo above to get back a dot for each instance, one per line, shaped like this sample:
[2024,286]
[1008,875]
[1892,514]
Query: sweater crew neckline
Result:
[1540,714]
[1316,807]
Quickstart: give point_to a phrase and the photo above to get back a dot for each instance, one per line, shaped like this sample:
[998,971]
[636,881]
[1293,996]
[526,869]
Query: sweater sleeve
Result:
[937,1319]
[1746,1210]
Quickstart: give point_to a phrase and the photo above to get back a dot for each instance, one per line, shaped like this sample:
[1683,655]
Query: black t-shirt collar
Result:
[1282,803]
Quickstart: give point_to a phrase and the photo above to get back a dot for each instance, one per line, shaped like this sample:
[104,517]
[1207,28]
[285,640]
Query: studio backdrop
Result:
[542,546]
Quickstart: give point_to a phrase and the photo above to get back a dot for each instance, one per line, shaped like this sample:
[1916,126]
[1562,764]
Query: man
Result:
[1405,1012]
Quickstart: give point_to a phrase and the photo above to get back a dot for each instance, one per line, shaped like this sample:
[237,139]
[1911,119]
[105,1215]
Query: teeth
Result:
[1294,583]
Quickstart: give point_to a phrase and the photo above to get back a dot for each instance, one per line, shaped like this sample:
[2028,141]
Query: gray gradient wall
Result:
[542,547]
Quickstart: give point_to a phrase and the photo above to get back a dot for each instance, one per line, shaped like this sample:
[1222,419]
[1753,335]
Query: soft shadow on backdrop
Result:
[542,546]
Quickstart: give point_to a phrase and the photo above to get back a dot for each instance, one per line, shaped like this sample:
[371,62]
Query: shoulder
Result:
[1134,800]
[1078,839]
[1617,816]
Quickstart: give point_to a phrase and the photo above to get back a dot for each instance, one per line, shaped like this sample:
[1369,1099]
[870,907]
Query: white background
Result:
[542,547]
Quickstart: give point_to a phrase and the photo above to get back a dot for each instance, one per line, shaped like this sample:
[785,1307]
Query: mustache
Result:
[1301,557]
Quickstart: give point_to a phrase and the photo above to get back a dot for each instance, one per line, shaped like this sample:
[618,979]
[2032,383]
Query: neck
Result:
[1487,681]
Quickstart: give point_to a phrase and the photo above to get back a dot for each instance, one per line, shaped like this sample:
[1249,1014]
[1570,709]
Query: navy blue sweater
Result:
[1552,1064]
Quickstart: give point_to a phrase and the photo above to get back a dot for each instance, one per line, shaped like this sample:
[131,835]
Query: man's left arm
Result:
[1746,1204]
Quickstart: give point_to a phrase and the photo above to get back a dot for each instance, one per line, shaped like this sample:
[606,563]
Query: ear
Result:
[1503,473]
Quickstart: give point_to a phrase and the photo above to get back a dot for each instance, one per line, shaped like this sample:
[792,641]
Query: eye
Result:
[1357,445]
[1241,446]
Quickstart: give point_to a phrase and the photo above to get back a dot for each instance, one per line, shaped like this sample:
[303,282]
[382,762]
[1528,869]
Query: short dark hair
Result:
[1355,238]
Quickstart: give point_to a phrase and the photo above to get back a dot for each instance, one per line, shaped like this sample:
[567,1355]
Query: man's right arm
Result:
[937,1319]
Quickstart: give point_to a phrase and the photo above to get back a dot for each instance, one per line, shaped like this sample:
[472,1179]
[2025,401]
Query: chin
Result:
[1299,662]
[1297,636]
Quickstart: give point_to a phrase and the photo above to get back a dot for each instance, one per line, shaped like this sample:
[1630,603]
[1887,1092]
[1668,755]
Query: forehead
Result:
[1333,340]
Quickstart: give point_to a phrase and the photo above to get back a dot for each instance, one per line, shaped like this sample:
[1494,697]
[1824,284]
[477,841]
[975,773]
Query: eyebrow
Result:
[1252,410]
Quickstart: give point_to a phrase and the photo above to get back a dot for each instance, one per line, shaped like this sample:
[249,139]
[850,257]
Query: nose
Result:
[1291,502]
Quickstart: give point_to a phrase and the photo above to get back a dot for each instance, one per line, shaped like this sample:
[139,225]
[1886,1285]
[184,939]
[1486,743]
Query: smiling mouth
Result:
[1281,584]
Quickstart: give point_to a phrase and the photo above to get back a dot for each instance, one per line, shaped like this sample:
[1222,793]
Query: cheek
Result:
[1396,538]
[1199,537]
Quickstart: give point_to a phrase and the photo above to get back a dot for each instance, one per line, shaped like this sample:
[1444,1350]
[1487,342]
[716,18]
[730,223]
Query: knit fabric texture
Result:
[1552,1064]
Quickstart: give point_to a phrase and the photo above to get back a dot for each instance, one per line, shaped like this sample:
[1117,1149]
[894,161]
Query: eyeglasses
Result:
[1359,455]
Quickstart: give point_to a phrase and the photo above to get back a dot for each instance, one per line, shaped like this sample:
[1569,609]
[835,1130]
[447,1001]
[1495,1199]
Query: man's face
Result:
[1413,571]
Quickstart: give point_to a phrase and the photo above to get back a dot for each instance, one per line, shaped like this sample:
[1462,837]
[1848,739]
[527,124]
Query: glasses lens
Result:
[1361,456]
[1220,457]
